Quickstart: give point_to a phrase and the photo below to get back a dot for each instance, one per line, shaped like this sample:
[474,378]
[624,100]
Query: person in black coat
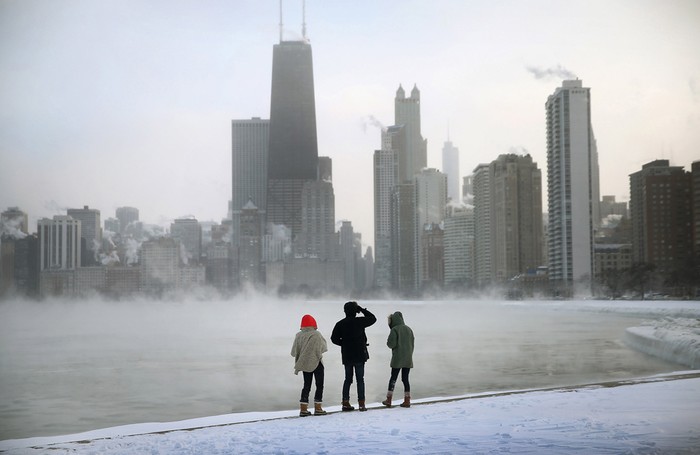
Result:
[349,334]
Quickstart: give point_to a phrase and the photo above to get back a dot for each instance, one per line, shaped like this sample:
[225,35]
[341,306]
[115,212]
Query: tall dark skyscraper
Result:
[249,165]
[293,147]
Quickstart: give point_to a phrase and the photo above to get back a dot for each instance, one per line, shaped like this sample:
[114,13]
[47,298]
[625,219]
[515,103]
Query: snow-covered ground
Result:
[659,414]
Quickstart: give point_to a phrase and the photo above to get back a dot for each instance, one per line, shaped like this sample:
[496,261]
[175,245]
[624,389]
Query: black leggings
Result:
[318,375]
[404,378]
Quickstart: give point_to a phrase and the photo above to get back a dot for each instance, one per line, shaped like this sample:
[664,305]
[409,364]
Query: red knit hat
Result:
[308,321]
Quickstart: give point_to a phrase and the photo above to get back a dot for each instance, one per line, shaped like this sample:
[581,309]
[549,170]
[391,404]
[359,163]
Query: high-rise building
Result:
[459,245]
[126,216]
[483,221]
[638,212]
[249,159]
[432,256]
[407,113]
[26,266]
[431,196]
[368,268]
[91,232]
[293,148]
[508,219]
[59,243]
[59,254]
[403,238]
[7,264]
[188,232]
[661,211]
[450,167]
[516,210]
[219,266]
[573,188]
[250,247]
[317,236]
[695,172]
[348,254]
[386,177]
[430,199]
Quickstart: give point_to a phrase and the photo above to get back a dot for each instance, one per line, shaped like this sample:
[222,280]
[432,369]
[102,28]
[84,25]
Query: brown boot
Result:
[361,403]
[406,400]
[304,410]
[387,402]
[347,406]
[318,411]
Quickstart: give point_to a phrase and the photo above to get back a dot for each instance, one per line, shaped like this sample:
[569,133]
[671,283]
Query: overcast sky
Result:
[129,102]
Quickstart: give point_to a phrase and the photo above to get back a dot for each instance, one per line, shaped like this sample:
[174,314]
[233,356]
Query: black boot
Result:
[347,406]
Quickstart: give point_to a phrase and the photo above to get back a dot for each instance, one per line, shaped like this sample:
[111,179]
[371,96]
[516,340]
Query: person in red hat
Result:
[307,350]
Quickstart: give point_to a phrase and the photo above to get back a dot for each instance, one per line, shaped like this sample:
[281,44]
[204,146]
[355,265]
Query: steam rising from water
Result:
[68,366]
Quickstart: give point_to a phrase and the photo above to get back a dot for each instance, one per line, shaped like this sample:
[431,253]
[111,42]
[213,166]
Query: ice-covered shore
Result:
[673,339]
[671,333]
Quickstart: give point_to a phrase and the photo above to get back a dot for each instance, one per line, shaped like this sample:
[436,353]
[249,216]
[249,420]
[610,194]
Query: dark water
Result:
[67,367]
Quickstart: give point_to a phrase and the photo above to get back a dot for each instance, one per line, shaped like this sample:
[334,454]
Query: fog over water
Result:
[70,366]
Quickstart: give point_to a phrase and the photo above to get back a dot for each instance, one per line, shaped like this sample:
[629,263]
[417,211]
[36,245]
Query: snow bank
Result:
[673,339]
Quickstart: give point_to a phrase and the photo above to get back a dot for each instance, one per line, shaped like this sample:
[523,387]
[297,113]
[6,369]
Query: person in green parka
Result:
[400,342]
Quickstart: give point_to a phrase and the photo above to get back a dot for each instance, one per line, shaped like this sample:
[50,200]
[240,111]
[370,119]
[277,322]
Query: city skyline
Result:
[126,104]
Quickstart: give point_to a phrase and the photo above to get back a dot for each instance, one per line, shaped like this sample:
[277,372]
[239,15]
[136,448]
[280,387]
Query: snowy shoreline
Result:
[597,417]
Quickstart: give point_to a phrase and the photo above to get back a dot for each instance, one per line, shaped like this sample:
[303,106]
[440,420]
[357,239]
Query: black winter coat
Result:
[349,334]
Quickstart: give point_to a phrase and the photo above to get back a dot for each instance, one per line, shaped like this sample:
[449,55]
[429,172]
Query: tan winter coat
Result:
[307,350]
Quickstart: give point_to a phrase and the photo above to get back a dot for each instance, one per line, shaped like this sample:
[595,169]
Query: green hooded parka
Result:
[400,342]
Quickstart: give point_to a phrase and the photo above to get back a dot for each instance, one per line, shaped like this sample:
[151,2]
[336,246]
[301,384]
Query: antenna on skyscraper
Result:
[280,21]
[303,20]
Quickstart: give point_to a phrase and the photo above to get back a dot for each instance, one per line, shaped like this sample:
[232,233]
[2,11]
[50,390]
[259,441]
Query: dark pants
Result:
[404,378]
[317,374]
[359,369]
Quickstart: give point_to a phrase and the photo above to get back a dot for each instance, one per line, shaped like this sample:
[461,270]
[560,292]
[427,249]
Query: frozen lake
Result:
[71,366]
